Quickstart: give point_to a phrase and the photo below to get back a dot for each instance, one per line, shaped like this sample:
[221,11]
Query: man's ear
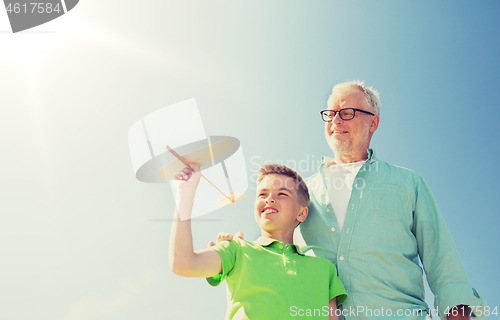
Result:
[374,123]
[303,214]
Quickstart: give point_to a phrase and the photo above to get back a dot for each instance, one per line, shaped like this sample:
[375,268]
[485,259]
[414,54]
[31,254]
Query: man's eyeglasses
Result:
[345,114]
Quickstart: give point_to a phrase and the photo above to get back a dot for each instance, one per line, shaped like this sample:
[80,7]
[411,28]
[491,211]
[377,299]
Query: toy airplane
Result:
[200,156]
[221,158]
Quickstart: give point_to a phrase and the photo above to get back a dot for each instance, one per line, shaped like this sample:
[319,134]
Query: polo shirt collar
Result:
[264,241]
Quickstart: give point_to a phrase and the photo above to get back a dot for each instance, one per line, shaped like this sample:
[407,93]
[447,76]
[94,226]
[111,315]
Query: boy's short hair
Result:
[302,190]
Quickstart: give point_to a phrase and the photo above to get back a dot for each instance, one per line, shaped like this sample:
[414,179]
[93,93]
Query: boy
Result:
[268,278]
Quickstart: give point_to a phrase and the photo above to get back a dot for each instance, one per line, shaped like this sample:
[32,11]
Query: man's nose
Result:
[337,118]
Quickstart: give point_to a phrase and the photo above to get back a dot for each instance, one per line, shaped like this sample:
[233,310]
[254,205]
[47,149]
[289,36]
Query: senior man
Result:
[374,220]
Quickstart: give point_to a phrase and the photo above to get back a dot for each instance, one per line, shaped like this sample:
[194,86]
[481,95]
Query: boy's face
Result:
[277,204]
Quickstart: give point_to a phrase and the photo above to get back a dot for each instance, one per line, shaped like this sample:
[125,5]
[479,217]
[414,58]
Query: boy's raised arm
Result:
[182,258]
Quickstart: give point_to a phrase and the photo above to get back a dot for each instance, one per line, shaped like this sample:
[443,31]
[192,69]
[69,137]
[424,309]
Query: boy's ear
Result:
[303,214]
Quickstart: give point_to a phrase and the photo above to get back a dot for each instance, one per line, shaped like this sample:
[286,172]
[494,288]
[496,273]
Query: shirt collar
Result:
[371,155]
[266,242]
[327,161]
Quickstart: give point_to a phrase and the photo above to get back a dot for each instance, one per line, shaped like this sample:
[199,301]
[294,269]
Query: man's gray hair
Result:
[371,95]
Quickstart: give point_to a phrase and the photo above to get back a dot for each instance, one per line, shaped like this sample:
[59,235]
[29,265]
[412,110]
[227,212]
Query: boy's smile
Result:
[269,210]
[277,208]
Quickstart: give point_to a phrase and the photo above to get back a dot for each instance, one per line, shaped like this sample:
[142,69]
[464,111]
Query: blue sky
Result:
[80,235]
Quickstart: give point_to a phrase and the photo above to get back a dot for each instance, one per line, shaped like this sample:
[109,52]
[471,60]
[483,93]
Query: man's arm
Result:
[183,260]
[440,259]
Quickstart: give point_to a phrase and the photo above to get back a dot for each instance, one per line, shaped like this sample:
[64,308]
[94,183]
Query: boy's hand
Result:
[188,178]
[225,237]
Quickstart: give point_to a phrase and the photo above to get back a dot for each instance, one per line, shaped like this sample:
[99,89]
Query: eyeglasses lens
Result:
[345,114]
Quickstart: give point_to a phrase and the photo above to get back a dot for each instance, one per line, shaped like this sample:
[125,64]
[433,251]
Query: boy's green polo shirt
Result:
[269,280]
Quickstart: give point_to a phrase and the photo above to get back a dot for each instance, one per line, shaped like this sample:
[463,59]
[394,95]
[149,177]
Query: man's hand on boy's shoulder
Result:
[226,237]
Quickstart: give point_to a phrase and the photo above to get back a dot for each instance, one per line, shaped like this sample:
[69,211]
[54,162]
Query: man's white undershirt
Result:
[339,179]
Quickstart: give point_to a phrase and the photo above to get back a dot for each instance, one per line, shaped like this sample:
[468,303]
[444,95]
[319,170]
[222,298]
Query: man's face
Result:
[349,137]
[277,203]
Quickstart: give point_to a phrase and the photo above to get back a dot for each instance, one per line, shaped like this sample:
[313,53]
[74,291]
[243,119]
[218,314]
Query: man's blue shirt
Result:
[392,219]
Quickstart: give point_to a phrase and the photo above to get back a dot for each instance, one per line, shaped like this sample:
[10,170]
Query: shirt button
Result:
[333,229]
[327,210]
[341,258]
[281,246]
[352,206]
